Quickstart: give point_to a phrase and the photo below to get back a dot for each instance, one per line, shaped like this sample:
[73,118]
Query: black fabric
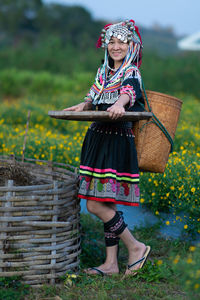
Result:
[109,167]
[132,81]
[135,107]
[110,237]
[109,145]
[116,224]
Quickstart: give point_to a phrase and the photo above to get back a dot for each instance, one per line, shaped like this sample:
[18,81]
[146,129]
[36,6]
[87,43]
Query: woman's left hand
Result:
[116,111]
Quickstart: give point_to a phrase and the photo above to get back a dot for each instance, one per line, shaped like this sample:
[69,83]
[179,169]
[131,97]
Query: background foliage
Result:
[60,39]
[47,62]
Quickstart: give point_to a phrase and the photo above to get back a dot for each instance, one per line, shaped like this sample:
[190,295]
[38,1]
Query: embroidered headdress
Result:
[128,33]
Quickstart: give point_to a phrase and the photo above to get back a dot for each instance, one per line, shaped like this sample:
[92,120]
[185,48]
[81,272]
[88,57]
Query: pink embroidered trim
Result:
[128,89]
[107,170]
[110,235]
[117,225]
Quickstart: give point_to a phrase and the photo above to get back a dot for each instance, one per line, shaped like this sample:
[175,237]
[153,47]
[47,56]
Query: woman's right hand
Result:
[78,107]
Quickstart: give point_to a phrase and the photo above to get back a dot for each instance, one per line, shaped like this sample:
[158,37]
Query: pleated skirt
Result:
[108,168]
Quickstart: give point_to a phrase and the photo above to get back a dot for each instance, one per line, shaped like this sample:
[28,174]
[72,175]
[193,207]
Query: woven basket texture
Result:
[39,224]
[152,145]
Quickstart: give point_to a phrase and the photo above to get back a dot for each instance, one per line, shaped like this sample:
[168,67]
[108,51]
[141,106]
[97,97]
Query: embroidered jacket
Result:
[128,82]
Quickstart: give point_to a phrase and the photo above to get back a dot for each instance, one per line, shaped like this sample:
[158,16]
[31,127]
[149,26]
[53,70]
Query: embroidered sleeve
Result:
[87,98]
[131,86]
[90,95]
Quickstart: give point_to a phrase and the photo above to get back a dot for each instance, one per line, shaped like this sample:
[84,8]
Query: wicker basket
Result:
[152,145]
[39,224]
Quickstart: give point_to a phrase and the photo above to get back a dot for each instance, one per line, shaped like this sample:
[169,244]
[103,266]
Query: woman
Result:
[109,172]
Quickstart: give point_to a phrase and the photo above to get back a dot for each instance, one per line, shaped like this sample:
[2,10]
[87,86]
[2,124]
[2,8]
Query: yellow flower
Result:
[176,260]
[153,194]
[72,276]
[193,190]
[196,286]
[192,248]
[189,260]
[172,188]
[68,283]
[185,226]
[157,212]
[180,188]
[142,200]
[167,222]
[159,262]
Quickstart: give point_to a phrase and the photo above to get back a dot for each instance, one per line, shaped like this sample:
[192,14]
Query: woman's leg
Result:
[114,222]
[106,211]
[101,210]
[135,248]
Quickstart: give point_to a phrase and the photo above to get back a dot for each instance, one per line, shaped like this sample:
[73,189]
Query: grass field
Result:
[173,271]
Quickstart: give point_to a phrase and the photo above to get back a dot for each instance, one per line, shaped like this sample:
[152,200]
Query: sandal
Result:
[142,261]
[98,271]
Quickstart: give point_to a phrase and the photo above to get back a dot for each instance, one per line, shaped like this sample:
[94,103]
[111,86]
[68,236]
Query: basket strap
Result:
[156,120]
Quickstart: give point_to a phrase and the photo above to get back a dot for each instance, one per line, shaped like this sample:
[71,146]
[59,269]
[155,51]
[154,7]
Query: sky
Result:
[181,15]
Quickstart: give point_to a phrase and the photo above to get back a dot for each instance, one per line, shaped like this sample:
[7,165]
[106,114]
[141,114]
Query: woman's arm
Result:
[80,107]
[130,91]
[117,110]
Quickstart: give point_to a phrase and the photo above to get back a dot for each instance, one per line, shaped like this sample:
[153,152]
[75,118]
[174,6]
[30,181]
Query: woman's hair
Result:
[110,62]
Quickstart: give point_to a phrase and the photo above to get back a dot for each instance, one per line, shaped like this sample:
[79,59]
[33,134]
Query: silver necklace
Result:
[114,70]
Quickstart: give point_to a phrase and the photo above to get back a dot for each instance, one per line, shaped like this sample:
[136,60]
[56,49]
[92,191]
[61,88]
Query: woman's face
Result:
[117,49]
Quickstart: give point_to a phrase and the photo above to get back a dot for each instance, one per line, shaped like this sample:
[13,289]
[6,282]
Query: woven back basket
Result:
[153,147]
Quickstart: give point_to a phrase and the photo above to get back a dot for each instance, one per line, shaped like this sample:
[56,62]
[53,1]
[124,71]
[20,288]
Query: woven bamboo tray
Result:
[39,224]
[97,115]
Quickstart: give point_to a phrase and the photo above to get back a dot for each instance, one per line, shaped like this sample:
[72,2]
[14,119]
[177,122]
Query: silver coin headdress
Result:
[127,32]
[124,31]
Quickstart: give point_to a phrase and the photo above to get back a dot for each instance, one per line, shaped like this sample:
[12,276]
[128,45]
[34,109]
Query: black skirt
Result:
[109,169]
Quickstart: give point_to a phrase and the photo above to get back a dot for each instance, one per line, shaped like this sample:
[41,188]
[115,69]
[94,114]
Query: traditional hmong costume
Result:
[109,168]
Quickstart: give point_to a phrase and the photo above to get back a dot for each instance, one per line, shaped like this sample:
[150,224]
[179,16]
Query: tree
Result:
[20,15]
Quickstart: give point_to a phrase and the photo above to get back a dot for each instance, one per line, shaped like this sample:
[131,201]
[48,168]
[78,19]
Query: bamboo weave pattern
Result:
[39,224]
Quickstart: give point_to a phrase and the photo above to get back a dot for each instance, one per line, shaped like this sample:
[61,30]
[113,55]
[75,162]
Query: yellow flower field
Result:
[177,190]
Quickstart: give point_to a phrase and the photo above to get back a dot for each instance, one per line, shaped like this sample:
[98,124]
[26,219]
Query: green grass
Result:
[173,270]
[113,288]
[160,278]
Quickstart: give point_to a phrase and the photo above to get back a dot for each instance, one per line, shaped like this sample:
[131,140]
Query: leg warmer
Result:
[110,238]
[113,228]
